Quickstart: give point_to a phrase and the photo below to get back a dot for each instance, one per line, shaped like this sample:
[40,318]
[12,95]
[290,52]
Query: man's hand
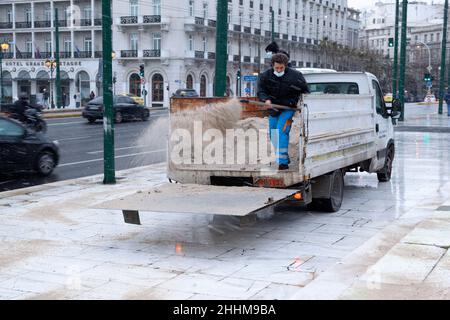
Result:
[268,102]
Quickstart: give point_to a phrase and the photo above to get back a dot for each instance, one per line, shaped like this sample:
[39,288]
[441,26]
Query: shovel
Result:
[271,106]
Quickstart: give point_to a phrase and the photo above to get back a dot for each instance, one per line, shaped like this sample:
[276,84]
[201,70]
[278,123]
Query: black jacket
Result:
[285,90]
[18,109]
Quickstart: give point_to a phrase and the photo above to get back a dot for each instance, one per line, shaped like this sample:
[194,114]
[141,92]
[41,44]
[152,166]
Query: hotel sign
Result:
[35,63]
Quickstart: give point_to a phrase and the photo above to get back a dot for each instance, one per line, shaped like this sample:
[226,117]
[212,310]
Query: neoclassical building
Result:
[173,39]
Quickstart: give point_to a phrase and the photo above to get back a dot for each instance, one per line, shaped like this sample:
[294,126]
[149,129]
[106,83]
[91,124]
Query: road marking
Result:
[101,151]
[64,123]
[76,138]
[117,157]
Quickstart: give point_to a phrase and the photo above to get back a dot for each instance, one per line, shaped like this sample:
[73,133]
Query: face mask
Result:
[278,74]
[269,55]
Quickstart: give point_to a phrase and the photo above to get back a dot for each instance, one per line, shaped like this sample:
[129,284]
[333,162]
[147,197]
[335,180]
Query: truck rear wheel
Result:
[334,202]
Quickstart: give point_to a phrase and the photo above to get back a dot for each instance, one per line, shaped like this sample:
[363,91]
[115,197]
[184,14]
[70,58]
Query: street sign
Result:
[144,92]
[247,90]
[250,78]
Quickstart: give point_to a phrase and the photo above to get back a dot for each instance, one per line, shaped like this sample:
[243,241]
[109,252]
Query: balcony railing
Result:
[294,63]
[152,53]
[285,37]
[62,23]
[43,55]
[97,22]
[6,25]
[85,22]
[65,55]
[301,39]
[7,55]
[276,35]
[128,20]
[308,41]
[257,59]
[23,55]
[247,30]
[294,38]
[211,55]
[236,58]
[199,21]
[258,31]
[83,54]
[247,59]
[128,53]
[152,19]
[199,55]
[98,54]
[212,23]
[237,28]
[23,25]
[42,24]
[267,34]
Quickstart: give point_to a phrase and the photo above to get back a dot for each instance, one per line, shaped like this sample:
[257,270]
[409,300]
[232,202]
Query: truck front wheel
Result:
[384,175]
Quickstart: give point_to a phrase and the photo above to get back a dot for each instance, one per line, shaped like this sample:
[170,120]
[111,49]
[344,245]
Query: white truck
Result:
[342,126]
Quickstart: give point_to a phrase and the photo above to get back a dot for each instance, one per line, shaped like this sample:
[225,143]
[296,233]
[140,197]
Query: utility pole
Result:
[58,70]
[395,66]
[401,85]
[221,48]
[108,123]
[239,81]
[273,23]
[443,56]
[259,46]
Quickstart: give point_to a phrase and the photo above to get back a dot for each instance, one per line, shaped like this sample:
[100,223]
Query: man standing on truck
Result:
[284,86]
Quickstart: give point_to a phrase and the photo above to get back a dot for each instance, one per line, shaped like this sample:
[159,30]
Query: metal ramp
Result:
[193,198]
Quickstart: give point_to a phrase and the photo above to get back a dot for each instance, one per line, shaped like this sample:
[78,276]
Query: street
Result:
[81,148]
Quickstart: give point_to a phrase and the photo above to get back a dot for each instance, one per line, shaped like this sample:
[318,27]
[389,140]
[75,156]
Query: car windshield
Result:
[99,100]
[334,88]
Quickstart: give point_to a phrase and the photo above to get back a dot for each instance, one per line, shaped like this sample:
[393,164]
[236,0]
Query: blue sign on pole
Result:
[250,78]
[247,90]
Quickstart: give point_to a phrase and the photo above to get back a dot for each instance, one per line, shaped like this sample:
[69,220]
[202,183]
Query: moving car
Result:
[185,93]
[23,149]
[138,100]
[125,108]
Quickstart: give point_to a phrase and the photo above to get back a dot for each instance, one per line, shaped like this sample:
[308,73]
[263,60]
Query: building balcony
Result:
[152,19]
[257,59]
[294,63]
[199,21]
[128,53]
[285,37]
[212,23]
[211,55]
[247,59]
[294,38]
[129,20]
[267,34]
[62,23]
[154,53]
[7,55]
[83,54]
[23,25]
[236,58]
[98,54]
[85,22]
[24,55]
[257,31]
[98,22]
[237,28]
[199,55]
[43,55]
[65,55]
[247,30]
[6,25]
[42,24]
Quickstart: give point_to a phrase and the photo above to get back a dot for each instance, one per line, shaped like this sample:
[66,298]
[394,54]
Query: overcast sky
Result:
[361,4]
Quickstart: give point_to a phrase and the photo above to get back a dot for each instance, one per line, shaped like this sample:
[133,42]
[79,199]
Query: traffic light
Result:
[239,74]
[141,70]
[114,79]
[390,42]
[427,77]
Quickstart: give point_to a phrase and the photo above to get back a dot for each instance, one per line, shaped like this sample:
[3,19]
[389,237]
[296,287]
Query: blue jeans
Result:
[279,128]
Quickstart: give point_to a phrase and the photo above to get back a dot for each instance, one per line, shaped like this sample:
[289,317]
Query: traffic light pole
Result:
[395,66]
[58,70]
[401,84]
[220,80]
[443,55]
[108,123]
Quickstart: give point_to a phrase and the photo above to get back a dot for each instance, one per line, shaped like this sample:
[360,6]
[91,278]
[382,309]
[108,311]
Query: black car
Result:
[23,149]
[185,93]
[125,108]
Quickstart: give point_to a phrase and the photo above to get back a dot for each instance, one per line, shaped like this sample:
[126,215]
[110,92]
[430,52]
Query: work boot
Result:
[283,167]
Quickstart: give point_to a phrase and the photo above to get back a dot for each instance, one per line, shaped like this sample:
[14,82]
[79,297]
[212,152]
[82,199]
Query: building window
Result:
[134,7]
[157,7]
[205,44]
[135,85]
[205,10]
[191,43]
[67,45]
[29,46]
[28,15]
[189,82]
[83,84]
[9,16]
[134,41]
[191,8]
[157,41]
[87,13]
[203,86]
[425,38]
[48,14]
[48,46]
[157,88]
[88,44]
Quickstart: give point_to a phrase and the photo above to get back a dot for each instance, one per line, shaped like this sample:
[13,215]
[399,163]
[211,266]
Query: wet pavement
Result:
[387,238]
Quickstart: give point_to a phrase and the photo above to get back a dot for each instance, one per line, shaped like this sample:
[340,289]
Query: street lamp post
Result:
[3,47]
[429,68]
[51,63]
